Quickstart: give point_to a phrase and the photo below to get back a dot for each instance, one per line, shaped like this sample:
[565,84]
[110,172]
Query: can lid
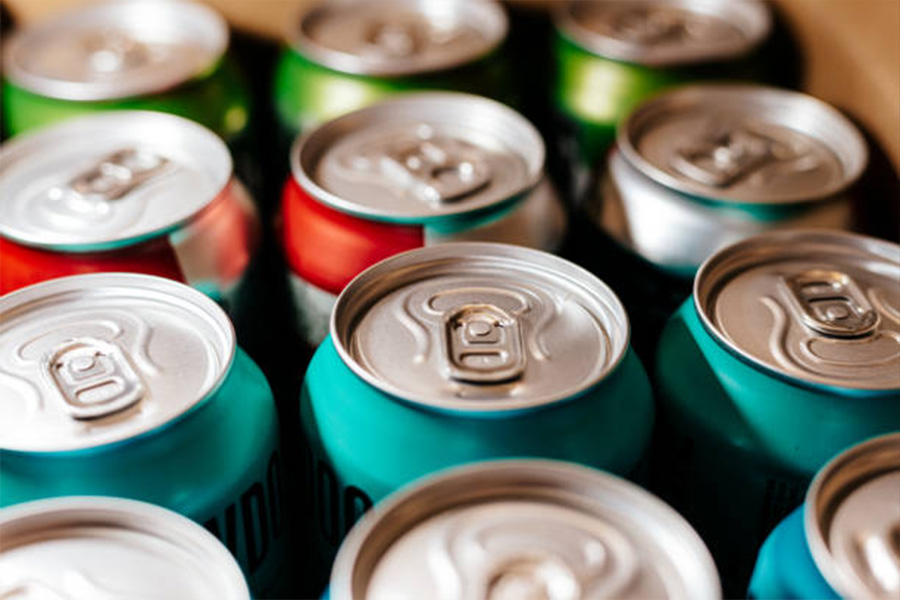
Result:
[116,50]
[108,180]
[524,529]
[419,157]
[817,307]
[398,37]
[479,327]
[852,520]
[664,33]
[99,547]
[747,144]
[94,359]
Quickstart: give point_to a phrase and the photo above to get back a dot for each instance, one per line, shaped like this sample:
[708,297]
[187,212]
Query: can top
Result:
[524,529]
[815,307]
[108,180]
[852,519]
[747,144]
[116,50]
[391,38]
[419,157]
[100,547]
[479,327]
[94,359]
[662,33]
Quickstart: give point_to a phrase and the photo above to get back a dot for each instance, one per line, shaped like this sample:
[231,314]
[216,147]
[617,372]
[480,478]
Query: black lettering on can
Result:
[256,540]
[326,503]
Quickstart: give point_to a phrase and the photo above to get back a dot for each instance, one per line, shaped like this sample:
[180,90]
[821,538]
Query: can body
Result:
[737,447]
[217,465]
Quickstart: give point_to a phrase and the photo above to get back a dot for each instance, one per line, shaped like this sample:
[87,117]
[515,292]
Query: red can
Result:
[134,191]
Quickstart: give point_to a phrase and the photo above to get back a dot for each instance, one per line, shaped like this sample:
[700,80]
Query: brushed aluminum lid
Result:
[108,180]
[746,144]
[479,327]
[104,548]
[95,359]
[420,156]
[817,307]
[116,50]
[852,520]
[523,529]
[663,33]
[398,37]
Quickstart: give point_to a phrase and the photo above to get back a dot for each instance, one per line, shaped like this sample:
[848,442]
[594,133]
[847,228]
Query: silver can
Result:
[523,529]
[100,547]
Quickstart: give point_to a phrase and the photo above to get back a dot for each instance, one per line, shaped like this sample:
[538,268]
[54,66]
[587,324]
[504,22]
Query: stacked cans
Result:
[465,411]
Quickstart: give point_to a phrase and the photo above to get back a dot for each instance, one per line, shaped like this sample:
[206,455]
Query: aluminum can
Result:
[124,191]
[97,547]
[842,543]
[702,167]
[523,529]
[415,171]
[138,55]
[130,385]
[787,353]
[344,55]
[611,55]
[466,352]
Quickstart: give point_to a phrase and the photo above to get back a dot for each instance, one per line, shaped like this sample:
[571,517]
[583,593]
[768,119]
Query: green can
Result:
[142,55]
[342,56]
[787,353]
[464,352]
[611,55]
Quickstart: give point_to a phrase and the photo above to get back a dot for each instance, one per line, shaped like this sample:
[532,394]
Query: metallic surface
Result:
[117,50]
[96,547]
[517,529]
[479,327]
[90,360]
[818,307]
[109,180]
[666,33]
[390,38]
[852,520]
[419,157]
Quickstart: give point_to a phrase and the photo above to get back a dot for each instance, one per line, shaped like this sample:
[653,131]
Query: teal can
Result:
[465,352]
[132,386]
[842,542]
[786,354]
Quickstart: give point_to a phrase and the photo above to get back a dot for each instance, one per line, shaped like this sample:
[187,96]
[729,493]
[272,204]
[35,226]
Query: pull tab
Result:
[394,39]
[648,26]
[117,174]
[112,52]
[94,378]
[830,303]
[483,345]
[727,156]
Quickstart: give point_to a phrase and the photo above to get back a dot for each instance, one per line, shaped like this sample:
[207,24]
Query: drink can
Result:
[415,171]
[137,55]
[342,56]
[787,353]
[124,191]
[120,384]
[98,547]
[611,55]
[701,167]
[523,529]
[466,352]
[842,543]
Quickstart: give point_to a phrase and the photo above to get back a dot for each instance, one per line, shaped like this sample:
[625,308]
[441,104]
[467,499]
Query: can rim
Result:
[80,91]
[821,121]
[727,256]
[492,13]
[23,298]
[756,15]
[828,488]
[504,479]
[462,252]
[144,517]
[307,150]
